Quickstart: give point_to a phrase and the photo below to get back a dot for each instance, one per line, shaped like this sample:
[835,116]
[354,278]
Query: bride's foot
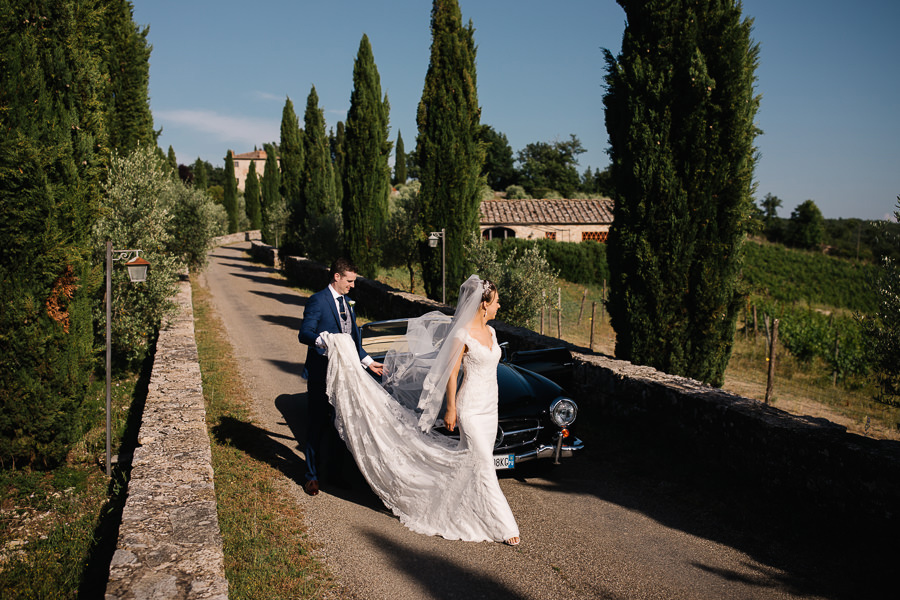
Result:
[513,541]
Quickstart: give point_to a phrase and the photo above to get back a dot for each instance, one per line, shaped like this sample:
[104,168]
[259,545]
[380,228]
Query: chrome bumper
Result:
[554,452]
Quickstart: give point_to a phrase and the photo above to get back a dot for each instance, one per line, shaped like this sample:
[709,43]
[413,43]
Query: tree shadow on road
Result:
[811,552]
[278,450]
[292,323]
[291,299]
[444,579]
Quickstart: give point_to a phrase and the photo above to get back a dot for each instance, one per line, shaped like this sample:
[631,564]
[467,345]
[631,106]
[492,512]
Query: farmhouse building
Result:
[242,165]
[560,220]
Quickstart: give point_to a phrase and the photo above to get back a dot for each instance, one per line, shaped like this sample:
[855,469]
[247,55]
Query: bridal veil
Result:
[417,369]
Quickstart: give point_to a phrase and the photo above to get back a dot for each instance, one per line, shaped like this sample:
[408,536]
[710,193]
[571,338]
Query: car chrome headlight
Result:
[563,412]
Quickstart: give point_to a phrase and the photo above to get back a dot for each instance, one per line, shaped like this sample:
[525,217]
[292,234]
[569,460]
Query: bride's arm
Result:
[450,413]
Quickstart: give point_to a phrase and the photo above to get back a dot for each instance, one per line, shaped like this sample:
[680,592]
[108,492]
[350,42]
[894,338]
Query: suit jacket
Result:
[321,314]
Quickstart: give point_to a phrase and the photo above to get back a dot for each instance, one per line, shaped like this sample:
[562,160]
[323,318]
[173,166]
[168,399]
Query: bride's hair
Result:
[489,289]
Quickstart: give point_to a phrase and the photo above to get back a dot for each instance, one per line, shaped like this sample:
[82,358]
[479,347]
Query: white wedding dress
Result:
[434,484]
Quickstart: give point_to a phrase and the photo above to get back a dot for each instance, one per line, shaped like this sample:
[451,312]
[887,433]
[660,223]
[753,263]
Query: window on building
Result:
[498,233]
[550,235]
[594,236]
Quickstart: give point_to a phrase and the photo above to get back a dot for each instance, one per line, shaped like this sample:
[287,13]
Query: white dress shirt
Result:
[367,360]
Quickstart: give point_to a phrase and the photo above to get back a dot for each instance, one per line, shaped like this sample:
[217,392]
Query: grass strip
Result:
[267,551]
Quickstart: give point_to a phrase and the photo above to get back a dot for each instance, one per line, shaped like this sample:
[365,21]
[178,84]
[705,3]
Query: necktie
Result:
[344,321]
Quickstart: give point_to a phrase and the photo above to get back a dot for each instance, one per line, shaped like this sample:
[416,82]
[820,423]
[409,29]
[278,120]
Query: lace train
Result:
[432,483]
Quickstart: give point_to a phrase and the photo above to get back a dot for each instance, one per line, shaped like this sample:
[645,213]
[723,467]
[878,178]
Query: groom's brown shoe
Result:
[311,487]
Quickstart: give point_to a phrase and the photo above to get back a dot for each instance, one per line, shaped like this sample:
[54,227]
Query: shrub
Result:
[137,213]
[583,262]
[882,326]
[516,192]
[522,278]
[195,220]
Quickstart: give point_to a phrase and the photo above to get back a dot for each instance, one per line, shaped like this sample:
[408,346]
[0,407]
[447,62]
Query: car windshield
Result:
[379,337]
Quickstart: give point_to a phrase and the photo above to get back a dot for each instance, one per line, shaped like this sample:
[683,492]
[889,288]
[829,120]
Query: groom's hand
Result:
[377,368]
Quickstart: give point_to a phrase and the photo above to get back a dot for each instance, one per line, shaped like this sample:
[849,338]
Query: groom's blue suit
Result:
[321,314]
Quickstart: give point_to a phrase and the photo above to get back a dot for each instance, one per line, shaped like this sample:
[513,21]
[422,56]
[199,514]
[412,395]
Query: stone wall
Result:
[812,462]
[169,543]
[234,238]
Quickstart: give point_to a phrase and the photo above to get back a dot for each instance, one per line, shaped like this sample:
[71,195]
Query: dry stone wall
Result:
[169,544]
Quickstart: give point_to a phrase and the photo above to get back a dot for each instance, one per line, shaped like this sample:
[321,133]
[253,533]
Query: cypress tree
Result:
[366,171]
[399,161]
[127,64]
[172,161]
[318,175]
[291,176]
[336,141]
[52,141]
[201,178]
[272,205]
[230,198]
[320,238]
[448,154]
[680,111]
[251,197]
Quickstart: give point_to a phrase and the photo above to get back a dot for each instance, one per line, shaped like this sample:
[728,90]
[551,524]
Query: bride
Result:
[434,484]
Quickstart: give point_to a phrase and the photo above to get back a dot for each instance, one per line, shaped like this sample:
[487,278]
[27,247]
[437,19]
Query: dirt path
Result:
[601,526]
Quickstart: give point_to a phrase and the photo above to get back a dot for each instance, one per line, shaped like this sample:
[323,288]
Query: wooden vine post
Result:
[581,310]
[770,382]
[543,302]
[593,313]
[559,313]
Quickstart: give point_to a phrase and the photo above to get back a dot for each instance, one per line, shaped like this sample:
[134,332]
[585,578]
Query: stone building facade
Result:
[560,220]
[242,165]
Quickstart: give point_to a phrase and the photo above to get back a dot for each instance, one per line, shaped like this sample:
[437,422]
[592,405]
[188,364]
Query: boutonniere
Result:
[351,303]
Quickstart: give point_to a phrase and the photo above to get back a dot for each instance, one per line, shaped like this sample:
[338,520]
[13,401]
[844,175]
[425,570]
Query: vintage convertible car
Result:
[535,413]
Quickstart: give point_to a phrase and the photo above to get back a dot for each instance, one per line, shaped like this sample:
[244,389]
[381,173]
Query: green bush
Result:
[523,279]
[577,263]
[196,219]
[137,213]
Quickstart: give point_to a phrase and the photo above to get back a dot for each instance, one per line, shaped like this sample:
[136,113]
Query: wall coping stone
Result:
[169,543]
[235,238]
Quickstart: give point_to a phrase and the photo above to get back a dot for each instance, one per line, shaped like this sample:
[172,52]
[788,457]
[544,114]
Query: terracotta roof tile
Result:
[498,212]
[255,155]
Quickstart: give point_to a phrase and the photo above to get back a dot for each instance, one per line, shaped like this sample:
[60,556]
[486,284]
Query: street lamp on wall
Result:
[137,272]
[432,242]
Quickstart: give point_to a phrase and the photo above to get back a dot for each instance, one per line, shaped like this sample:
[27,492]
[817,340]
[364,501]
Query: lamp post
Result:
[432,242]
[137,272]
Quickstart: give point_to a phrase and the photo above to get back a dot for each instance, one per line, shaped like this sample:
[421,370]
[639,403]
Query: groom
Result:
[328,310]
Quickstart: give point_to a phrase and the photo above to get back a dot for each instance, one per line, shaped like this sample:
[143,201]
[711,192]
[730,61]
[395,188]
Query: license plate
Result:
[507,461]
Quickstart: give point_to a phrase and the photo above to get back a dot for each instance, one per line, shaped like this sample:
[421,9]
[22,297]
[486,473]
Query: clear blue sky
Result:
[828,75]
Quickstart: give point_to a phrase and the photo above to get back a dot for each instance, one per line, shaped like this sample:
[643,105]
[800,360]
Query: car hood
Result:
[523,392]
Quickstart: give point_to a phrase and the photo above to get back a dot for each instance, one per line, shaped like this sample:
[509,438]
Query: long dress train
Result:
[432,483]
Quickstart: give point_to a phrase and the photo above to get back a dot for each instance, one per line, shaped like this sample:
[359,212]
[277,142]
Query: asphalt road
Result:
[616,522]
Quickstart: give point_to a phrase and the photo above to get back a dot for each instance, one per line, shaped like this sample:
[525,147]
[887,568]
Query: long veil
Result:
[416,370]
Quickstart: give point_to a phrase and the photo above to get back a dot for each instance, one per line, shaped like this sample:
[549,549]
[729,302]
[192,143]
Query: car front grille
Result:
[516,433]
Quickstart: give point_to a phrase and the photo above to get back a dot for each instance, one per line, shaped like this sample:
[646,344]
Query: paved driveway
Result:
[616,523]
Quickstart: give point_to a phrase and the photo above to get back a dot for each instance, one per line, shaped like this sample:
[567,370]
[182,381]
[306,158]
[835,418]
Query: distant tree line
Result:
[806,228]
[539,170]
